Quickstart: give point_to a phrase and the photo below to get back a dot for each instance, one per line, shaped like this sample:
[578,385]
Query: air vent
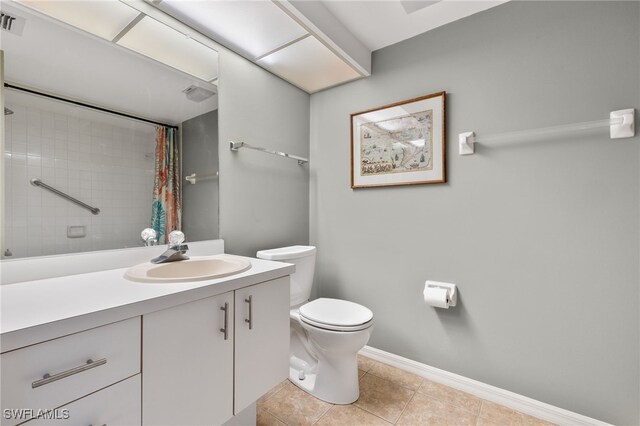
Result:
[11,23]
[197,94]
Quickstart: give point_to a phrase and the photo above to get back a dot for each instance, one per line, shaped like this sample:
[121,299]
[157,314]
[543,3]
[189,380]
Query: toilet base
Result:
[335,382]
[307,384]
[328,360]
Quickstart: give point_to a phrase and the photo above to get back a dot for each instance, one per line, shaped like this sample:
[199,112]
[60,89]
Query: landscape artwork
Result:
[399,144]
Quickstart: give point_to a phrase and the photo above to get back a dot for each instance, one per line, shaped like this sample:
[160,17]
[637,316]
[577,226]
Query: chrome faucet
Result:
[176,250]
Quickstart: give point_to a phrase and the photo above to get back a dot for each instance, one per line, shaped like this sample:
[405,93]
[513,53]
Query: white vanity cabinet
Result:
[116,405]
[200,356]
[188,363]
[51,374]
[123,353]
[261,340]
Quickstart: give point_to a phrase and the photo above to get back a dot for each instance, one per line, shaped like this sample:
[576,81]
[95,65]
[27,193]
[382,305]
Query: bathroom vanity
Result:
[98,349]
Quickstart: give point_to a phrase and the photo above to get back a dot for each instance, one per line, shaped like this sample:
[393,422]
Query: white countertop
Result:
[34,311]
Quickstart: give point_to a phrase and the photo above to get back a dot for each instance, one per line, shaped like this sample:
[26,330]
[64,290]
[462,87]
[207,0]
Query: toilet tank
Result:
[304,257]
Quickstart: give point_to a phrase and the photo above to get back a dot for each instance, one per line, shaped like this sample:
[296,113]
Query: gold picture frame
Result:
[403,143]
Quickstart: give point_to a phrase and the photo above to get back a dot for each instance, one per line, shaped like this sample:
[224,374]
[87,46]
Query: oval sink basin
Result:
[197,268]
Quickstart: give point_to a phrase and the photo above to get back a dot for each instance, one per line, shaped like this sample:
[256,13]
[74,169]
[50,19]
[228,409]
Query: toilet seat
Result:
[336,315]
[330,327]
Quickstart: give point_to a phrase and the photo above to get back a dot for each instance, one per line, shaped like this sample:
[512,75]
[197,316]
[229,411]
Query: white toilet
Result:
[326,334]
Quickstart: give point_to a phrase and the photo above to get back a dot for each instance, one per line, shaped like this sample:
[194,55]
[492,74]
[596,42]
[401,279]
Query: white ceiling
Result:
[56,58]
[279,35]
[314,44]
[380,23]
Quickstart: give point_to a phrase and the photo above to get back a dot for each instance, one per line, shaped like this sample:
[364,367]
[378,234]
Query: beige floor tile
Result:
[382,397]
[365,363]
[340,415]
[450,395]
[424,410]
[395,375]
[273,391]
[520,419]
[264,418]
[496,413]
[485,422]
[294,406]
[361,373]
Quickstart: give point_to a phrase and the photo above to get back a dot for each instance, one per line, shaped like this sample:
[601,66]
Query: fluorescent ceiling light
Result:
[164,44]
[104,18]
[253,28]
[309,65]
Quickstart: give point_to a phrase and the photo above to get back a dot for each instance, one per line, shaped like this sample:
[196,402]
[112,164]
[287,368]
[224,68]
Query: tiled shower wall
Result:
[102,162]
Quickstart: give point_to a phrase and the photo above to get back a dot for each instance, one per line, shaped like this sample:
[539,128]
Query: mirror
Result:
[103,126]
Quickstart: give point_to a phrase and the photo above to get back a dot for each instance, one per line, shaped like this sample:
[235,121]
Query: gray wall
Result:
[541,236]
[264,199]
[200,156]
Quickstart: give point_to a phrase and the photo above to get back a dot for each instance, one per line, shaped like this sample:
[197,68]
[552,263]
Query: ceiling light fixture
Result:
[103,18]
[164,44]
[252,28]
[140,27]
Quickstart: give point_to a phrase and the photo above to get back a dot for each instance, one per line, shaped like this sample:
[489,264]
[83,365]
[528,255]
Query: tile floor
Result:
[387,396]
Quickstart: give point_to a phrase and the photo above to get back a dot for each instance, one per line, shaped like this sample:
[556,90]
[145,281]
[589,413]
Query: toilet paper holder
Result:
[452,290]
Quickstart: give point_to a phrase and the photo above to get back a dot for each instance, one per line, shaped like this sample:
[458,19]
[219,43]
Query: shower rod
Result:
[82,104]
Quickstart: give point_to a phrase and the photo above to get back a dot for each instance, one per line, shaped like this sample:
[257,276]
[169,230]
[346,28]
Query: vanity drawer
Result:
[117,405]
[114,350]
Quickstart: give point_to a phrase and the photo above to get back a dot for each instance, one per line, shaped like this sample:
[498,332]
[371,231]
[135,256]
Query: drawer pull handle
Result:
[225,330]
[250,319]
[48,378]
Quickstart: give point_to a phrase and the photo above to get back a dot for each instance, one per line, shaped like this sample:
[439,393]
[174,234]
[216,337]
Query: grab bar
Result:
[235,146]
[38,182]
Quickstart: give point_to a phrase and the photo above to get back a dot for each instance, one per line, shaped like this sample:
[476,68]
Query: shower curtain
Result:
[166,211]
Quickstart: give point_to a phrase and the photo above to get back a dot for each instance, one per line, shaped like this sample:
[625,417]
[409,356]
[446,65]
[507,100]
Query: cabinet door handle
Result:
[48,378]
[250,319]
[225,330]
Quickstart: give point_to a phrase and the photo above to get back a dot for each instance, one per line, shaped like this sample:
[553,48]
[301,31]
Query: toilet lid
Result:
[336,312]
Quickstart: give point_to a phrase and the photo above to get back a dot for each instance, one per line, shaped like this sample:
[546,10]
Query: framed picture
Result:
[399,144]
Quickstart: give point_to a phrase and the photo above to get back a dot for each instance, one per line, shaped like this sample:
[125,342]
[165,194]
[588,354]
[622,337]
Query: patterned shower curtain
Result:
[166,211]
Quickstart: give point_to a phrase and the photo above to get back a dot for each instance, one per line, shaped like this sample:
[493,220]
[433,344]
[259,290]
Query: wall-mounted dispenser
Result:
[440,295]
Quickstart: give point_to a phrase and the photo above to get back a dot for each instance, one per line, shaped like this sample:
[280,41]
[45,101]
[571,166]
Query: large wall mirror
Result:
[119,115]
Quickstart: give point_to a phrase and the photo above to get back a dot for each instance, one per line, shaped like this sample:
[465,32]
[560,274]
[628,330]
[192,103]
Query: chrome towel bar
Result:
[235,146]
[38,182]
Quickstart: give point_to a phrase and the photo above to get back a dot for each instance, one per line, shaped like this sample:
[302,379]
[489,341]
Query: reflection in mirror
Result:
[103,127]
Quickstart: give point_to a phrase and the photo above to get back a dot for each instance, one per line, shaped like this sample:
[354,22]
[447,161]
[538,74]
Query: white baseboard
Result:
[509,399]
